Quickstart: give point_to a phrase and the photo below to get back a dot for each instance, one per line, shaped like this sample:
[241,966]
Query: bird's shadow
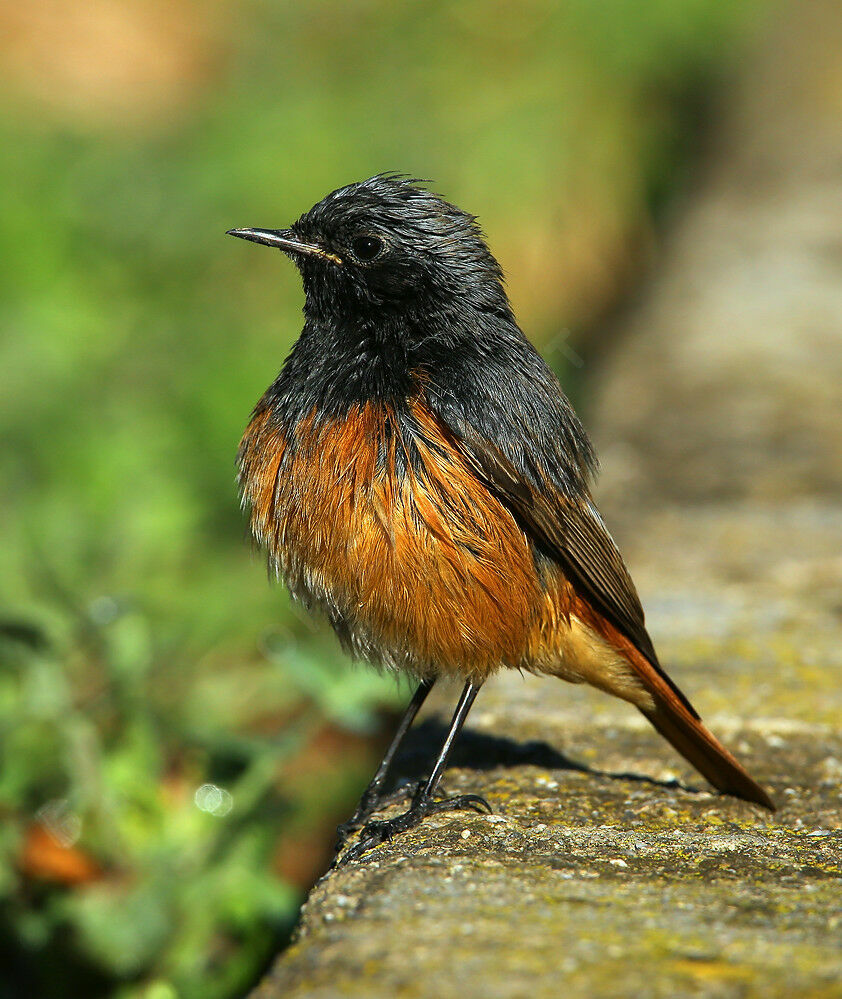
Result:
[480,751]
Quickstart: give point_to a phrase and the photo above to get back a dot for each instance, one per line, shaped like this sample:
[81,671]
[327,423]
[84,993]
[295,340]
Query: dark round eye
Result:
[366,248]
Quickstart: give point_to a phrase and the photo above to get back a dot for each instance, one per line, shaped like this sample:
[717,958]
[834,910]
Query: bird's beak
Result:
[284,239]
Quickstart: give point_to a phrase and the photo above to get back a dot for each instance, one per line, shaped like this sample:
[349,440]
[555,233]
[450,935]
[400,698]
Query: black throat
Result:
[335,366]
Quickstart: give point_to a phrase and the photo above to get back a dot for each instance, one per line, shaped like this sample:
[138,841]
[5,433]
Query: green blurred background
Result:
[176,742]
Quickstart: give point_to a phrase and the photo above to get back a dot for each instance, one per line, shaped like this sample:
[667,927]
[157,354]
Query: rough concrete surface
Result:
[609,868]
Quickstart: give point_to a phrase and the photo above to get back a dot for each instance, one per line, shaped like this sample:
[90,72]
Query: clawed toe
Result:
[343,832]
[460,803]
[375,833]
[368,806]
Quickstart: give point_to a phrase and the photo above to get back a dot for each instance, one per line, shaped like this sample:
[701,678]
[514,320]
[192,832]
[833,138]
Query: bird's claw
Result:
[371,804]
[461,802]
[381,831]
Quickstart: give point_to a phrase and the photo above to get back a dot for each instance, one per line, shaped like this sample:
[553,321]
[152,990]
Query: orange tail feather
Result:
[696,744]
[676,719]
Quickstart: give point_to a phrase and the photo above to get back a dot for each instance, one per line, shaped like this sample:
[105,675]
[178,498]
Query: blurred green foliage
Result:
[153,688]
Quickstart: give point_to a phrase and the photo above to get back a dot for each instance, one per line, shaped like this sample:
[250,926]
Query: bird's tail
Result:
[677,720]
[667,708]
[701,747]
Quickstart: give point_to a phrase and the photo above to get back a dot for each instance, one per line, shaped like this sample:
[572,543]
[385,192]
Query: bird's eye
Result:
[366,248]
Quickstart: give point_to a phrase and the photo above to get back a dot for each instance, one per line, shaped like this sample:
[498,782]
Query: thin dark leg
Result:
[423,804]
[370,800]
[466,699]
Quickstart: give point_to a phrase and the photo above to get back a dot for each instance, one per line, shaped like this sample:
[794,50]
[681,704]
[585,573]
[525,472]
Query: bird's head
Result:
[387,245]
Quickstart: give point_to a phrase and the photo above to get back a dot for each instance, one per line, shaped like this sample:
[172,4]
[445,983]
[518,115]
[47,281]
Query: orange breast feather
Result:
[425,568]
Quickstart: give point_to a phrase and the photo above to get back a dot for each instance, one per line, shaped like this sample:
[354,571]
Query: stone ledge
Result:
[621,884]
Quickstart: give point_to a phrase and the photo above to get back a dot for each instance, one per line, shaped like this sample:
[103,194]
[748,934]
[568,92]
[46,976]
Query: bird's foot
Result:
[377,832]
[372,802]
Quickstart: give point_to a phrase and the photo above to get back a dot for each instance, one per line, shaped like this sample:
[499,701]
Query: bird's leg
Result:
[371,799]
[422,804]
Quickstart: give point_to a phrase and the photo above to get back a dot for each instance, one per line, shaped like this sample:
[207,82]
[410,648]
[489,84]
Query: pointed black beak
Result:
[283,239]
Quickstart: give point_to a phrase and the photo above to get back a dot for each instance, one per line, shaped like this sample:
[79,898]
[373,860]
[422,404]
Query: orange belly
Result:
[423,570]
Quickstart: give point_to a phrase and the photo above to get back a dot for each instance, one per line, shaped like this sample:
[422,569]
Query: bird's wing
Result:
[568,528]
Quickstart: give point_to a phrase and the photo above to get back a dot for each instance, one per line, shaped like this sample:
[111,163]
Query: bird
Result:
[418,477]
